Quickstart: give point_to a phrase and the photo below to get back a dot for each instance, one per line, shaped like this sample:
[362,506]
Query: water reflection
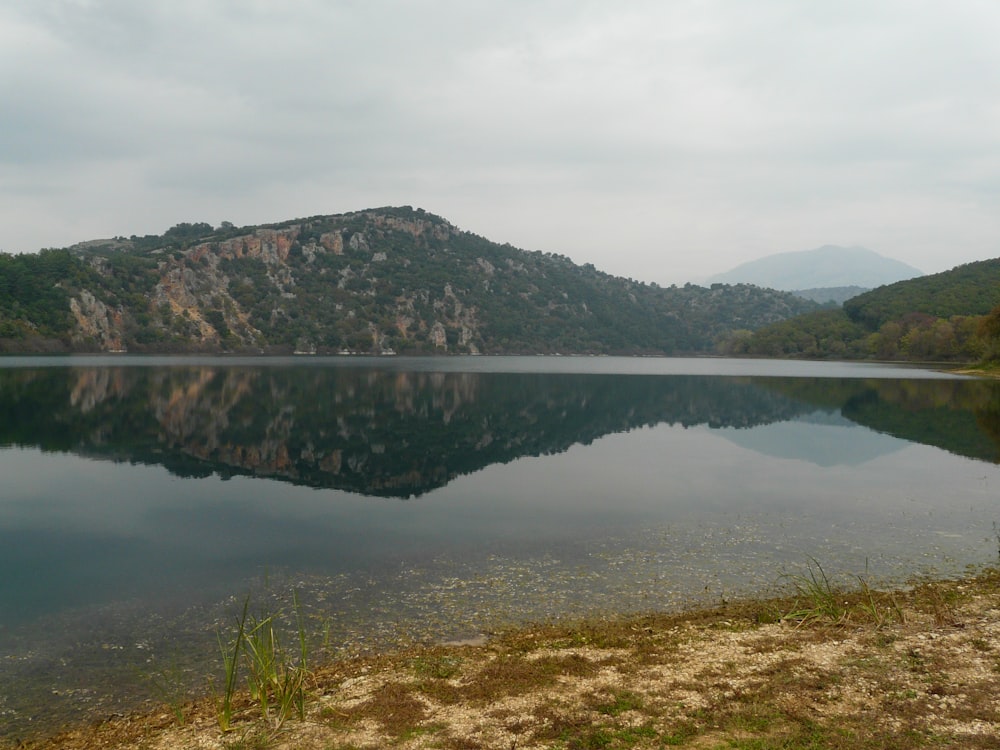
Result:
[822,438]
[402,434]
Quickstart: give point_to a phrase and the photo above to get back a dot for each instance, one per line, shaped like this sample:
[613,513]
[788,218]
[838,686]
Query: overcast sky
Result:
[663,140]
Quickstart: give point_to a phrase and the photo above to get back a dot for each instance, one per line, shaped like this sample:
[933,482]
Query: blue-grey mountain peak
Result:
[827,266]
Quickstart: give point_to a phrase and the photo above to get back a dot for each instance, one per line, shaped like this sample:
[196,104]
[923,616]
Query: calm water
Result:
[441,498]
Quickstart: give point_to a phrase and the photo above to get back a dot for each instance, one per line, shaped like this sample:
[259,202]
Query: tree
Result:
[989,329]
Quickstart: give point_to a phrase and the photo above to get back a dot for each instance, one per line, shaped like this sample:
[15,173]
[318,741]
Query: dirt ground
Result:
[913,668]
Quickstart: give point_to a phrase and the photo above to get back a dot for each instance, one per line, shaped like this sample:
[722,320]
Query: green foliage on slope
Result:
[970,289]
[932,318]
[35,292]
[989,331]
[825,333]
[385,280]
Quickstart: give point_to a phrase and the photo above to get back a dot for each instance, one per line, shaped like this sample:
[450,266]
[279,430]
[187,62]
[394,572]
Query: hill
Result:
[389,280]
[970,289]
[949,316]
[824,267]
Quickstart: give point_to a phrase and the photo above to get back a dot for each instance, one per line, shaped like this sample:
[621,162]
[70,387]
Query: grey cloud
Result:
[720,129]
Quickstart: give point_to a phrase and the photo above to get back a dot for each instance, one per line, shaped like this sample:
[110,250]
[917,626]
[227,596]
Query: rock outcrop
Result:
[97,323]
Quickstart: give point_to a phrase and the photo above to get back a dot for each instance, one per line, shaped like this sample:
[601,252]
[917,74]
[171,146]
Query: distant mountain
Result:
[827,266]
[387,280]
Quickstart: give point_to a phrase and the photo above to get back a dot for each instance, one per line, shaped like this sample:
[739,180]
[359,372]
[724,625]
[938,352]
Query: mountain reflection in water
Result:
[402,434]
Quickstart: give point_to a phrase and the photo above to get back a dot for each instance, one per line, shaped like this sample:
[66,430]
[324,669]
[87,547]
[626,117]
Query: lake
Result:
[435,499]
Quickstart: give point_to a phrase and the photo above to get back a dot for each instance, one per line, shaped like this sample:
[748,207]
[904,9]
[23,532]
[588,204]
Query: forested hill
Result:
[970,289]
[377,281]
[954,315]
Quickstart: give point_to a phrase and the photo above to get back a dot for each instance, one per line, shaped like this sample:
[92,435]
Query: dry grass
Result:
[913,669]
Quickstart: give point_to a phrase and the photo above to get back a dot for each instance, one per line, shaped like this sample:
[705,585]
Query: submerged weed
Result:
[170,685]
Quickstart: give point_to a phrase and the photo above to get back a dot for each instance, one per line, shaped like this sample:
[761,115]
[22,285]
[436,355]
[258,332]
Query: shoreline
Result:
[907,668]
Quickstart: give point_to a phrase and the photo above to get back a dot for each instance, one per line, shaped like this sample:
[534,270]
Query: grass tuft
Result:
[621,702]
[816,598]
[436,666]
[275,676]
[510,674]
[394,706]
[880,610]
[230,651]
